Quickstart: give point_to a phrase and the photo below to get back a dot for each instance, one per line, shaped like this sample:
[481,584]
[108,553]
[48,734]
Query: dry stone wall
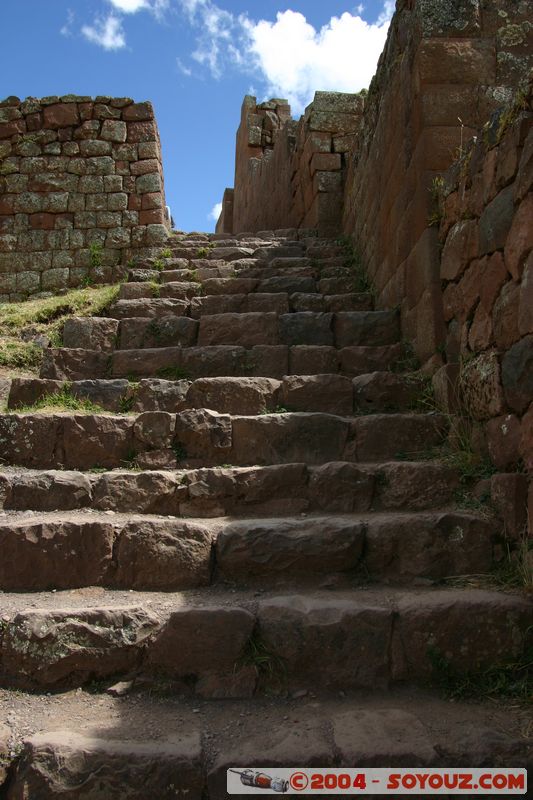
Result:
[486,236]
[447,65]
[288,173]
[81,191]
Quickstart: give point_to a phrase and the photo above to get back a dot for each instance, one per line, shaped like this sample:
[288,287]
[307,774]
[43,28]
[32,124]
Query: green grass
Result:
[510,679]
[271,668]
[180,452]
[45,316]
[15,354]
[95,250]
[172,374]
[63,400]
[88,302]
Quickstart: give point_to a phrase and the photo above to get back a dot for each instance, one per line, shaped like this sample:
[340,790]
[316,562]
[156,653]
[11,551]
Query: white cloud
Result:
[157,7]
[185,70]
[293,57]
[129,6]
[215,212]
[106,33]
[66,30]
[218,30]
[296,59]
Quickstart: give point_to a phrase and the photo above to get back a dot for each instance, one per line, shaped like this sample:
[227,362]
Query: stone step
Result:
[176,290]
[149,307]
[343,329]
[258,319]
[314,639]
[73,364]
[199,437]
[129,746]
[334,394]
[280,490]
[52,551]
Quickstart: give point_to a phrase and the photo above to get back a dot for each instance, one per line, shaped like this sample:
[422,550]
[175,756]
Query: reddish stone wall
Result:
[81,190]
[289,174]
[486,270]
[443,60]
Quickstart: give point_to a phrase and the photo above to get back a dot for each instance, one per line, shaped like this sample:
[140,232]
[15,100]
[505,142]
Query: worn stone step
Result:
[74,364]
[102,747]
[253,319]
[337,487]
[165,331]
[148,307]
[318,639]
[52,551]
[239,303]
[199,437]
[343,329]
[224,360]
[334,394]
[335,302]
[177,290]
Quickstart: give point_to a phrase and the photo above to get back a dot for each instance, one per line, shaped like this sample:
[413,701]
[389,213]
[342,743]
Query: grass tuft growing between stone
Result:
[22,322]
[63,400]
[18,355]
[512,679]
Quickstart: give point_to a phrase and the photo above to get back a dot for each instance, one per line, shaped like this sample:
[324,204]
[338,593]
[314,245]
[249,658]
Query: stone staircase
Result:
[246,533]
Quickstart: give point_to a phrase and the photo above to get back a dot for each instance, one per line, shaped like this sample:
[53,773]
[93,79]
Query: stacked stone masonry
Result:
[81,191]
[486,269]
[445,68]
[298,166]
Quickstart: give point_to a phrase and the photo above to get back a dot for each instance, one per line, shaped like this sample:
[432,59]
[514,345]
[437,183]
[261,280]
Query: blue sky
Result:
[195,60]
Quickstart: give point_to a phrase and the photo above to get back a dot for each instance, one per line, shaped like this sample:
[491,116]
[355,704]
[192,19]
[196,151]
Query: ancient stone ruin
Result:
[268,502]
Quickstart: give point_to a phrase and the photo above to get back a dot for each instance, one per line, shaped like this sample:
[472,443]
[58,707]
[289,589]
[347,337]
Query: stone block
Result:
[460,248]
[94,147]
[462,61]
[55,279]
[517,374]
[495,222]
[216,639]
[115,640]
[306,328]
[480,387]
[525,312]
[505,316]
[141,132]
[331,394]
[520,239]
[313,360]
[90,333]
[247,396]
[138,112]
[238,329]
[54,762]
[325,162]
[503,440]
[299,628]
[114,131]
[509,496]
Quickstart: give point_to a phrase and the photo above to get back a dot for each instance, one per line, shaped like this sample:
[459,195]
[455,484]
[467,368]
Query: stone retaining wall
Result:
[81,191]
[288,173]
[446,67]
[486,235]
